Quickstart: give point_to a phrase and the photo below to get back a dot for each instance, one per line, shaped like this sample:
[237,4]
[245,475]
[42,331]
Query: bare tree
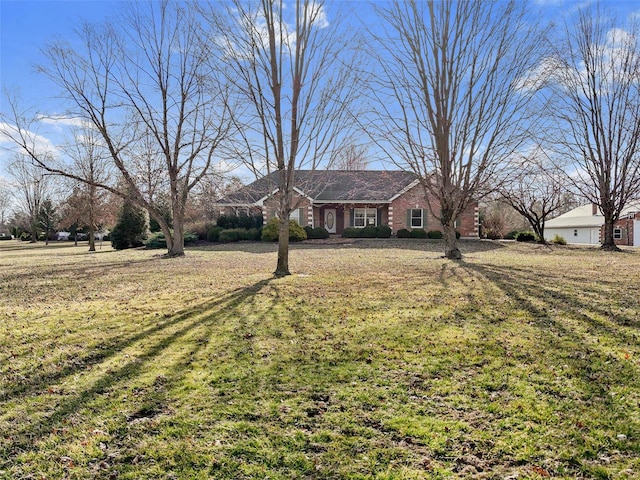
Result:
[148,88]
[451,105]
[350,156]
[31,188]
[535,188]
[90,161]
[593,77]
[497,218]
[6,200]
[294,71]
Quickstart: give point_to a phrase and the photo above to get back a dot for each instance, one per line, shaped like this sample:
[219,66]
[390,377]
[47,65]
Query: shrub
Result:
[383,231]
[309,231]
[228,236]
[418,233]
[368,232]
[190,237]
[296,232]
[4,236]
[559,240]
[229,222]
[319,232]
[156,240]
[511,235]
[270,231]
[434,234]
[213,233]
[352,232]
[403,233]
[525,237]
[250,234]
[201,229]
[254,234]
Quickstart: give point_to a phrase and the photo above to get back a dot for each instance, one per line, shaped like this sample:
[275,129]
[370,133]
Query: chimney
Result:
[594,209]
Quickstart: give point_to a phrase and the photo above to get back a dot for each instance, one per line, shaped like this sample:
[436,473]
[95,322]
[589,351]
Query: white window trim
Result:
[366,211]
[617,234]
[416,218]
[296,214]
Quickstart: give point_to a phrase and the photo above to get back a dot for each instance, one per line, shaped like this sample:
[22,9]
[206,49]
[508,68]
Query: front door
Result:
[330,220]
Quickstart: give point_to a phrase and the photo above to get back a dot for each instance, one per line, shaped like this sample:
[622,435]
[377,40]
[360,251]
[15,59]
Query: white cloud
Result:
[62,121]
[548,70]
[39,144]
[317,16]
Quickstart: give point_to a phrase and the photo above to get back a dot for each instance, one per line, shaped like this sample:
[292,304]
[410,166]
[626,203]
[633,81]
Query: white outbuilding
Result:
[583,225]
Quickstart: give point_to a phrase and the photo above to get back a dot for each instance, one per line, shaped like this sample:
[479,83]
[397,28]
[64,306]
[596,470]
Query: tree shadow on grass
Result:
[574,326]
[20,440]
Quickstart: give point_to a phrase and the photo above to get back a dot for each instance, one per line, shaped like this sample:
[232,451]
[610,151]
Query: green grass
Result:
[376,359]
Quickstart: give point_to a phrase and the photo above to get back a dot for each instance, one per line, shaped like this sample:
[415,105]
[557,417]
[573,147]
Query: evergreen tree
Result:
[47,218]
[131,227]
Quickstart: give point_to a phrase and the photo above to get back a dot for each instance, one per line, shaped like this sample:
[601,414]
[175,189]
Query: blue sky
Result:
[27,25]
[25,28]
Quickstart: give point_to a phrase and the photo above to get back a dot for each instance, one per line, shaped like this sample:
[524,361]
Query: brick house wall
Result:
[270,208]
[394,214]
[414,199]
[626,226]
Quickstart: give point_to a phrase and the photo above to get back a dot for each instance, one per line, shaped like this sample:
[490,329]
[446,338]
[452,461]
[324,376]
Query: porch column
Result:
[310,216]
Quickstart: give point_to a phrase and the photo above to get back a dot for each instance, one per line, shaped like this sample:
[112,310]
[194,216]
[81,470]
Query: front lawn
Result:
[375,359]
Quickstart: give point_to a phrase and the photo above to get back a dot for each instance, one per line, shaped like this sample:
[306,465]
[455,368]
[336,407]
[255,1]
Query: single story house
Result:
[585,225]
[337,199]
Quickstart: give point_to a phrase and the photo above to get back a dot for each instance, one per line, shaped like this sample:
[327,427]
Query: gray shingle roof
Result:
[330,186]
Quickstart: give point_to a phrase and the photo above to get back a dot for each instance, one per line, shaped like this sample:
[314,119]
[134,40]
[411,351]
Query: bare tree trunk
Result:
[282,267]
[176,249]
[608,242]
[538,229]
[451,250]
[92,239]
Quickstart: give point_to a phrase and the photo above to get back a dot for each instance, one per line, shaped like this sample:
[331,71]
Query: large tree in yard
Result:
[594,81]
[451,104]
[293,75]
[147,88]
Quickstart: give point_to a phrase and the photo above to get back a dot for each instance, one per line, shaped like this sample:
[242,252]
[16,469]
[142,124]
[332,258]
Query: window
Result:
[296,214]
[364,216]
[416,218]
[617,234]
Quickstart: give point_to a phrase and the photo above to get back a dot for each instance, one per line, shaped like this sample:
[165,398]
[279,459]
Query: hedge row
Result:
[421,233]
[157,240]
[382,231]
